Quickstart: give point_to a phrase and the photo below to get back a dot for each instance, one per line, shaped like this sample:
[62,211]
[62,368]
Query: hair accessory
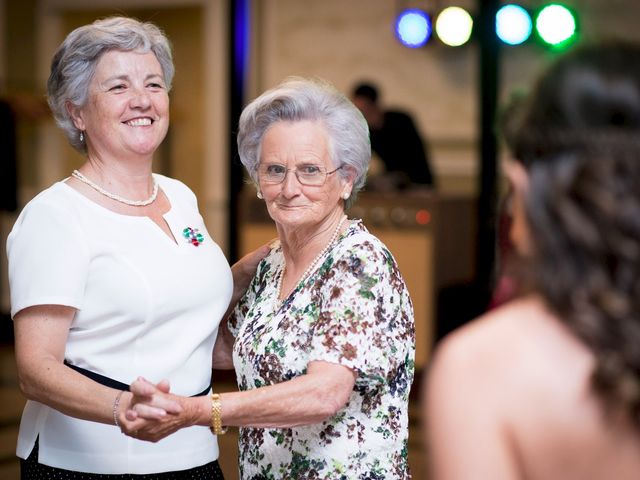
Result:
[118,198]
[81,136]
[193,236]
[116,403]
[216,415]
[259,195]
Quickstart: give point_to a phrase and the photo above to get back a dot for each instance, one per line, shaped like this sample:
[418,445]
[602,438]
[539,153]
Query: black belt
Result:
[110,382]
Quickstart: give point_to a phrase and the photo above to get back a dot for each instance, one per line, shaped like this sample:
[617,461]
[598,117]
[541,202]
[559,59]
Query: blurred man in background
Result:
[396,141]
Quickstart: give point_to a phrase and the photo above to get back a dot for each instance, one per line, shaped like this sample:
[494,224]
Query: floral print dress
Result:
[354,310]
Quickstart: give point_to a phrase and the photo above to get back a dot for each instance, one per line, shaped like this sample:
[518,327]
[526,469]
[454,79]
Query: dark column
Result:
[238,60]
[8,159]
[8,191]
[488,95]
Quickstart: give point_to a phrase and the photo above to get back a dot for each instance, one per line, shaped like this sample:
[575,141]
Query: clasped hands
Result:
[153,413]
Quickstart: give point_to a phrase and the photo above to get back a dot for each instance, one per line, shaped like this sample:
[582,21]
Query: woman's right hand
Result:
[151,400]
[153,413]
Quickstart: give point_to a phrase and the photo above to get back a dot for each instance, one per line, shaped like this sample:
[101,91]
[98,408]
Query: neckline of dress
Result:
[315,264]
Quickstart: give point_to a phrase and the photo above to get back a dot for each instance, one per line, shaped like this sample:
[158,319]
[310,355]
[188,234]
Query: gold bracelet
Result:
[216,415]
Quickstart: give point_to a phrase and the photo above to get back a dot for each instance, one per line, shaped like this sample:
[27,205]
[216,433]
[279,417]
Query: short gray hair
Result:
[298,99]
[74,63]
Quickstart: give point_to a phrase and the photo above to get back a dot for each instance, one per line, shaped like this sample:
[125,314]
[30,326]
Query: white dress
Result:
[146,305]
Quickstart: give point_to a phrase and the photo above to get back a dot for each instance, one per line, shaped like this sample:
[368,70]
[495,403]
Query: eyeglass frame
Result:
[295,171]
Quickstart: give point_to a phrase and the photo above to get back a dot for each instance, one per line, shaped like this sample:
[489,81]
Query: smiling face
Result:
[127,111]
[291,204]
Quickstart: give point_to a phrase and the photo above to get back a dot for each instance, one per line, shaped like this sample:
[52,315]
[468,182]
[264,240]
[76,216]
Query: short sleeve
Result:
[366,318]
[48,259]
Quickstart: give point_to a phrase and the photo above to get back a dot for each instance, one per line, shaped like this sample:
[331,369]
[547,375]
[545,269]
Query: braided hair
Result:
[578,136]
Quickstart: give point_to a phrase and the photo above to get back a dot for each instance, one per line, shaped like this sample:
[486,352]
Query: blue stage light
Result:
[513,24]
[413,28]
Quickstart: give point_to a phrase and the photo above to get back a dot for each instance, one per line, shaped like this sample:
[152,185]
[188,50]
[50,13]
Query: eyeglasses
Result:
[307,174]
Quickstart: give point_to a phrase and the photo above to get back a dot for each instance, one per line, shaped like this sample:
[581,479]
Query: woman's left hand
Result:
[154,413]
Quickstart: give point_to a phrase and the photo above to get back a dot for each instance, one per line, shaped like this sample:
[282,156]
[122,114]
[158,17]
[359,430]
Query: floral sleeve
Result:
[366,317]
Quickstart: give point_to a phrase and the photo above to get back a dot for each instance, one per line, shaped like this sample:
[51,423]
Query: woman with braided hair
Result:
[548,385]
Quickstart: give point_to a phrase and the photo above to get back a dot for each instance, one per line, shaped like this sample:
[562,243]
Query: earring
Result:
[346,195]
[259,195]
[81,136]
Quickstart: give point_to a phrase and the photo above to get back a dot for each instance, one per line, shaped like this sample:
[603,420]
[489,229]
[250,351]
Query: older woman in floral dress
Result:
[323,340]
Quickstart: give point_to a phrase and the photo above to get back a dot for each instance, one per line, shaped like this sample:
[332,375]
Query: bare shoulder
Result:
[473,390]
[514,386]
[513,332]
[511,351]
[497,388]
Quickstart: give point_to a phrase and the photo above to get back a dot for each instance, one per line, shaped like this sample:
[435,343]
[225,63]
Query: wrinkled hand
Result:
[153,413]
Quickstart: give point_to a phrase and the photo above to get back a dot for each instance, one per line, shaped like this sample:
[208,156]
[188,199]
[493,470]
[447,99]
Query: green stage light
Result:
[556,25]
[454,26]
[513,24]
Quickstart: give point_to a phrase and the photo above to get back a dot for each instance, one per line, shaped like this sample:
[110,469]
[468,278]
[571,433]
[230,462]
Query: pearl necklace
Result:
[313,265]
[118,198]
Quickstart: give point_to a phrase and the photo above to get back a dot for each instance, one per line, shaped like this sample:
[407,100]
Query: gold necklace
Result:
[312,266]
[118,198]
